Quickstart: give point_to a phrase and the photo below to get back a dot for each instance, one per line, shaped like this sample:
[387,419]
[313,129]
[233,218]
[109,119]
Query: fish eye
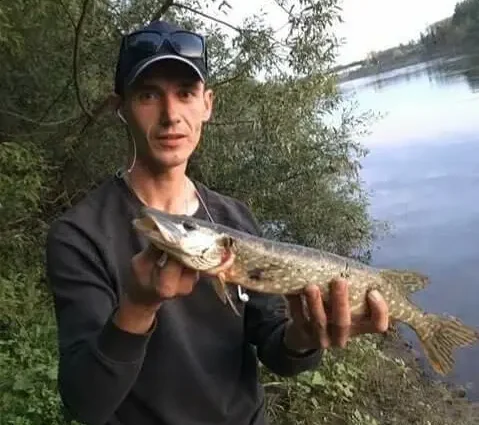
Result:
[189,225]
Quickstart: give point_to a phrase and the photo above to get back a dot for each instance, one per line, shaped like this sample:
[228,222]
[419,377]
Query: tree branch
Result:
[224,123]
[228,80]
[205,15]
[283,8]
[23,135]
[36,122]
[108,101]
[67,12]
[163,10]
[220,21]
[55,100]
[76,49]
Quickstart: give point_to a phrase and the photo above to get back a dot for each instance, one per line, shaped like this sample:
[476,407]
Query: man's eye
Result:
[185,94]
[145,96]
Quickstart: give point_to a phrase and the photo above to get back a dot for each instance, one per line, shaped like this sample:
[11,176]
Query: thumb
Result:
[151,253]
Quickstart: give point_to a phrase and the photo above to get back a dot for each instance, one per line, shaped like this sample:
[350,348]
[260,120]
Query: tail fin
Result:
[410,281]
[439,337]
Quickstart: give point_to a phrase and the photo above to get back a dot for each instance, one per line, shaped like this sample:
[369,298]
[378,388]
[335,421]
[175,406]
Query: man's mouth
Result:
[172,139]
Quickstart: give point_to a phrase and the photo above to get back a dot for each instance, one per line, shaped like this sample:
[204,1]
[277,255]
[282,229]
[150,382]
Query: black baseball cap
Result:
[158,41]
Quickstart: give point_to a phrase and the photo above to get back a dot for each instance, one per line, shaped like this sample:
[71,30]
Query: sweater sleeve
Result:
[98,361]
[266,320]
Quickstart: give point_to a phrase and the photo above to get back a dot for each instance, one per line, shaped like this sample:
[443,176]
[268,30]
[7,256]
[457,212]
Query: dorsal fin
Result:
[406,280]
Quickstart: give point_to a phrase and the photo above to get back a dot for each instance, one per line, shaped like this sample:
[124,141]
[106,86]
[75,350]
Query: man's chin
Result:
[163,162]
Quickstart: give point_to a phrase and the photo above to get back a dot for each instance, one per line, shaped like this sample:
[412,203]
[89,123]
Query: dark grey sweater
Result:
[199,363]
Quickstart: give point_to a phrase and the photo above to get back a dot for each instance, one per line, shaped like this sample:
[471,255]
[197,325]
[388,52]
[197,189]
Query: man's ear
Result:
[117,104]
[208,100]
[115,101]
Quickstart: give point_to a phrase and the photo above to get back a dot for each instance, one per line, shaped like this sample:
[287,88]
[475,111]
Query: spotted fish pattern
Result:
[275,267]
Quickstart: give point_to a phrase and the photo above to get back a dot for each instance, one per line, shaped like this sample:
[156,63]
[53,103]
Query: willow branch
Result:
[283,8]
[23,135]
[108,101]
[228,80]
[224,123]
[76,49]
[227,24]
[36,122]
[67,12]
[205,15]
[163,10]
[55,100]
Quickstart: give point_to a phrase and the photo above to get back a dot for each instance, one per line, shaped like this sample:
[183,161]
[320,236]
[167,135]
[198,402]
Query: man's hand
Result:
[154,279]
[316,325]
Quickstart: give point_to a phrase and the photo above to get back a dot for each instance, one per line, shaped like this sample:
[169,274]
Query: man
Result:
[144,341]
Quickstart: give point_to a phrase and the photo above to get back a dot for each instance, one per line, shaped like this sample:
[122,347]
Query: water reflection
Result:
[423,175]
[449,70]
[442,71]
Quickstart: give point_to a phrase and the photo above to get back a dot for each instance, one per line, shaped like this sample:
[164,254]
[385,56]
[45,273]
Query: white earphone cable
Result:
[121,173]
[243,296]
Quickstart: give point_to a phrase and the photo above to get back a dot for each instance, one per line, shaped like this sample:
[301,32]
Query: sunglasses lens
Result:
[183,43]
[146,42]
[187,44]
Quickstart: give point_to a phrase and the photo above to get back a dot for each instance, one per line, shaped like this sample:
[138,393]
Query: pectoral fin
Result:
[220,289]
[219,285]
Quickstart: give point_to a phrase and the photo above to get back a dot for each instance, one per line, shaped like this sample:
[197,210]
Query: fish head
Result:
[193,245]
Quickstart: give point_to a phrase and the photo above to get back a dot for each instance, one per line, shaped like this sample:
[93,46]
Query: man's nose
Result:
[169,112]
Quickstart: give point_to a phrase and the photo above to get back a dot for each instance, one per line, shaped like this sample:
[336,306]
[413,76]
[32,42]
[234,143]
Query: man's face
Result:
[166,108]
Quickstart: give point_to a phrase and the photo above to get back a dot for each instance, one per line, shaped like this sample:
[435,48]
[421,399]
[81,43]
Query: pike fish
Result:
[263,265]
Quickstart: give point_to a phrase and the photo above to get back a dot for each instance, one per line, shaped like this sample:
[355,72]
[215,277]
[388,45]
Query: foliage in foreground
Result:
[372,382]
[277,147]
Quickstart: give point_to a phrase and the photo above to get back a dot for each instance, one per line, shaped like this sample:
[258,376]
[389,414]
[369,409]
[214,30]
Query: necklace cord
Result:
[123,174]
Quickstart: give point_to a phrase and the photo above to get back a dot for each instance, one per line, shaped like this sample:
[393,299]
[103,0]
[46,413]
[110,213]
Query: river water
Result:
[423,175]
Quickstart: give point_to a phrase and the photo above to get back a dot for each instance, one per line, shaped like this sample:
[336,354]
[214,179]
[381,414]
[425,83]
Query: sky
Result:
[369,24]
[379,24]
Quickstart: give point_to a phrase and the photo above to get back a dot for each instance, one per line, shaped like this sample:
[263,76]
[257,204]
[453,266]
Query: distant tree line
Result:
[460,31]
[454,34]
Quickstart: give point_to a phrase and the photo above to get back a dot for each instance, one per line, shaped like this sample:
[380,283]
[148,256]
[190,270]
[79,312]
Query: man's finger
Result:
[340,319]
[152,253]
[161,260]
[167,278]
[379,311]
[189,278]
[296,309]
[319,320]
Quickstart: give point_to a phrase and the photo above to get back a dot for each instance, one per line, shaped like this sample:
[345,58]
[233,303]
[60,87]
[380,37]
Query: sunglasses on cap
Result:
[184,43]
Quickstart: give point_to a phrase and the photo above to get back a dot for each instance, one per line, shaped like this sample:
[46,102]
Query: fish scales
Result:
[268,266]
[272,267]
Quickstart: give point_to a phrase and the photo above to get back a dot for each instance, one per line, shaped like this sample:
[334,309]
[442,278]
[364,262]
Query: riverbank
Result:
[369,68]
[375,381]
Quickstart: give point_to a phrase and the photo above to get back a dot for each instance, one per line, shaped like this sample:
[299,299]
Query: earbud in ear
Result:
[120,116]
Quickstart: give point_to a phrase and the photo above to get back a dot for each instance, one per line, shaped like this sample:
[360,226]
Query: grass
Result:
[374,381]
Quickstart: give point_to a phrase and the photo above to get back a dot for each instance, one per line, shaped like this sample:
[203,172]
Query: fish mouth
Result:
[183,240]
[164,235]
